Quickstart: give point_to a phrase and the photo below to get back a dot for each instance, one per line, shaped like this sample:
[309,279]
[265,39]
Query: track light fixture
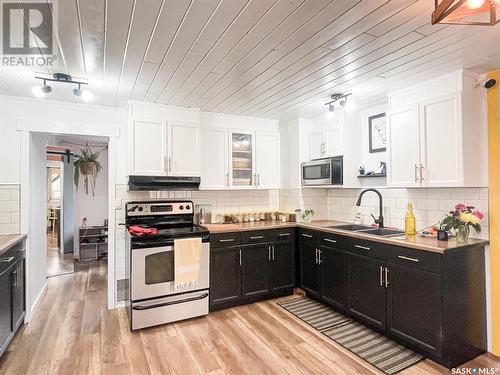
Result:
[42,91]
[342,100]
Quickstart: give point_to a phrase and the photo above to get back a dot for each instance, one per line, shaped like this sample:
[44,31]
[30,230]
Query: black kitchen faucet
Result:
[380,220]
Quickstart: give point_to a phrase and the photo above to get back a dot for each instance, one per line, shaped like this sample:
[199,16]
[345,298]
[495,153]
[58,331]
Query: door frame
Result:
[28,126]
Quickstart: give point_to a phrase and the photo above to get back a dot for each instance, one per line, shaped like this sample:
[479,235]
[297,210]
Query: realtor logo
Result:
[28,33]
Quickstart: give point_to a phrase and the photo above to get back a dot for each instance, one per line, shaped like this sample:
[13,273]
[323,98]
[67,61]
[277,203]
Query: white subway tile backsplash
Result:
[9,209]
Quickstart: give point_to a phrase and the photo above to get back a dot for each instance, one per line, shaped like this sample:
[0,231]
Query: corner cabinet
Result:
[437,140]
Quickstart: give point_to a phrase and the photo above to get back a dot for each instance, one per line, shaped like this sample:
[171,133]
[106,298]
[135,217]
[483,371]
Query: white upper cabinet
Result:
[184,157]
[334,142]
[239,153]
[214,159]
[441,135]
[403,147]
[440,139]
[325,138]
[163,141]
[268,161]
[317,149]
[148,147]
[242,154]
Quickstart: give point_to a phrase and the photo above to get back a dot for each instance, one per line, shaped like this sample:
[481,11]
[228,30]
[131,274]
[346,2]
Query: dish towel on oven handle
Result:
[187,255]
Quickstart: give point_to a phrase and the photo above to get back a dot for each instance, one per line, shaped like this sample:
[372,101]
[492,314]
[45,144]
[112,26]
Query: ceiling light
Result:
[475,4]
[87,96]
[343,102]
[41,91]
[77,92]
[466,12]
[350,106]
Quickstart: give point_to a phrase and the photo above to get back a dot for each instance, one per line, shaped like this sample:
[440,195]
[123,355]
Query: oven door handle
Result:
[148,307]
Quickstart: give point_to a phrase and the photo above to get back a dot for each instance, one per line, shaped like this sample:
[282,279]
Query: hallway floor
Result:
[57,264]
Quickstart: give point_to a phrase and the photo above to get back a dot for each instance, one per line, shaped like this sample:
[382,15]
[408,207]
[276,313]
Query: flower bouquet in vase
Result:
[461,220]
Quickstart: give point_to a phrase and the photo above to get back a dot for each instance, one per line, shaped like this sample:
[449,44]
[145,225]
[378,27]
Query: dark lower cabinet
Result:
[283,266]
[12,293]
[310,270]
[256,270]
[414,307]
[18,298]
[367,291]
[334,268]
[225,277]
[5,308]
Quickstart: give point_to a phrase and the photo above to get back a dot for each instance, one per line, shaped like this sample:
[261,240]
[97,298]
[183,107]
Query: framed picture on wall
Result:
[377,133]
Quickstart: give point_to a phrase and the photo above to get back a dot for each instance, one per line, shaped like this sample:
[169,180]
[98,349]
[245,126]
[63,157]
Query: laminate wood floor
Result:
[57,263]
[72,332]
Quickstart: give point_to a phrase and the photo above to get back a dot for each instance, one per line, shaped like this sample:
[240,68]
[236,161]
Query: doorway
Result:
[77,204]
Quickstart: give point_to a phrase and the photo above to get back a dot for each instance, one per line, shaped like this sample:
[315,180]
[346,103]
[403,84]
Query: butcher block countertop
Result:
[10,240]
[417,242]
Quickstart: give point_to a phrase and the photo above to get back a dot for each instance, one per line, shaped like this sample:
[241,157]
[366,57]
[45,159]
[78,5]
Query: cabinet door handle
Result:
[15,277]
[330,240]
[416,172]
[386,277]
[316,256]
[381,277]
[240,257]
[284,234]
[273,253]
[362,247]
[408,258]
[165,164]
[169,165]
[421,173]
[256,237]
[269,253]
[306,235]
[228,240]
[258,179]
[6,260]
[227,179]
[319,257]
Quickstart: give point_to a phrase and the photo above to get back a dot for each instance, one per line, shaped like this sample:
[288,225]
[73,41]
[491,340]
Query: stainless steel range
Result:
[152,298]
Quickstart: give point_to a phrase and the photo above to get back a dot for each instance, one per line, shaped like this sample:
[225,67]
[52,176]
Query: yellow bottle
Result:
[410,227]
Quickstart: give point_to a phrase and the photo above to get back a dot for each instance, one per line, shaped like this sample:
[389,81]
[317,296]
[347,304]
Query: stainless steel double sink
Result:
[382,232]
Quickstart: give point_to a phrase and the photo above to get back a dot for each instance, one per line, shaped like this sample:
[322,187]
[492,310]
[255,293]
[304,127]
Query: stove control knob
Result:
[140,209]
[188,207]
[181,207]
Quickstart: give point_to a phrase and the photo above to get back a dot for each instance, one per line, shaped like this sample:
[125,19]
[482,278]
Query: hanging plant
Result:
[87,166]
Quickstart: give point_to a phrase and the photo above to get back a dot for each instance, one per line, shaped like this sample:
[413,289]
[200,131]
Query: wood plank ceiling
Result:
[265,58]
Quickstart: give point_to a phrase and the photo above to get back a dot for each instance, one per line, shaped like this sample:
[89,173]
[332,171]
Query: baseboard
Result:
[36,303]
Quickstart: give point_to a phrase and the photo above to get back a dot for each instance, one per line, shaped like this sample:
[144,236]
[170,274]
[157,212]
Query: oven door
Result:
[316,173]
[153,272]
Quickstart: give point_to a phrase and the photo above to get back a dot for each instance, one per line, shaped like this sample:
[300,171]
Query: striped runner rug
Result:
[383,353]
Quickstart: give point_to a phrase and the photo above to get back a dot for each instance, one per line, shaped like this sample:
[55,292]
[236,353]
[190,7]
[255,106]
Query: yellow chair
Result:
[52,218]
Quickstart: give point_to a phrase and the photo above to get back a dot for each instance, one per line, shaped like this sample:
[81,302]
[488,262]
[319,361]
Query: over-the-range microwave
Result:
[323,172]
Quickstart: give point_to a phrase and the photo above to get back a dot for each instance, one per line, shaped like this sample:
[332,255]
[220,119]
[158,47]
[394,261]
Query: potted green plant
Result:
[305,215]
[461,220]
[361,170]
[88,167]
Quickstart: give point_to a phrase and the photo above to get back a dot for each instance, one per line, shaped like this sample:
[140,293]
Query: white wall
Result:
[37,240]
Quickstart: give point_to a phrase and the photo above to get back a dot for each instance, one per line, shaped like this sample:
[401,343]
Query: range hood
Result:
[157,183]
